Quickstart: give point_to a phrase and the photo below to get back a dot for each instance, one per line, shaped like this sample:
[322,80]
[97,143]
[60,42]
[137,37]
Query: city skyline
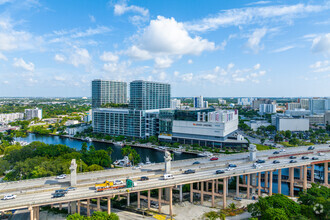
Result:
[227,49]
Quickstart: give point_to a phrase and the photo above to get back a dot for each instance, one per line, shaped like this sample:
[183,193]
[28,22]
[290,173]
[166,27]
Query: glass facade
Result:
[146,95]
[106,91]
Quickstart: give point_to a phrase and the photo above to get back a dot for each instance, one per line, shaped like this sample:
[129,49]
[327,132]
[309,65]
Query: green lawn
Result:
[263,147]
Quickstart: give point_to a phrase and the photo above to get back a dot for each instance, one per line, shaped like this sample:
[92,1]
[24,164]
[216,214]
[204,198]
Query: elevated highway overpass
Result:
[34,193]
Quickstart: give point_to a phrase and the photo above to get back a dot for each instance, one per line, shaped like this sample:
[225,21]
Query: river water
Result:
[154,155]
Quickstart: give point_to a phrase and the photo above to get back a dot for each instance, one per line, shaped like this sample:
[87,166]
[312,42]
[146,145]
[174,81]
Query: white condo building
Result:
[267,108]
[33,113]
[175,103]
[10,117]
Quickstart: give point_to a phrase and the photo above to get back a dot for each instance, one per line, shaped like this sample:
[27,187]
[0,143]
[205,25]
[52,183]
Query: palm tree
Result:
[232,206]
[211,215]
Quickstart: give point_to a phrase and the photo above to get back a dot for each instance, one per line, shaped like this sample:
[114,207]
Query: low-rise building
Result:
[316,119]
[283,123]
[11,117]
[254,125]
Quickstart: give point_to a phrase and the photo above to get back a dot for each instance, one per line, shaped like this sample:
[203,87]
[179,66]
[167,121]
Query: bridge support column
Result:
[279,181]
[69,208]
[88,208]
[31,209]
[191,193]
[148,199]
[259,184]
[244,179]
[73,207]
[138,200]
[78,206]
[266,179]
[225,180]
[160,200]
[312,173]
[237,186]
[217,185]
[128,199]
[207,186]
[305,178]
[212,193]
[98,207]
[326,173]
[60,206]
[291,180]
[171,201]
[301,174]
[202,192]
[180,193]
[270,183]
[109,204]
[248,187]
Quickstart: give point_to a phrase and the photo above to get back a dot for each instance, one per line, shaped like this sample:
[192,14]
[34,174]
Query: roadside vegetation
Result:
[41,160]
[312,204]
[95,216]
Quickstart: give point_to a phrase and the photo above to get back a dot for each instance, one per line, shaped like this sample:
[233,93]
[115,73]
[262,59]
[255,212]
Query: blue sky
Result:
[210,48]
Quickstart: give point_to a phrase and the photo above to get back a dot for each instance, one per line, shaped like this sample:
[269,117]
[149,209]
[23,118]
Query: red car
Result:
[214,158]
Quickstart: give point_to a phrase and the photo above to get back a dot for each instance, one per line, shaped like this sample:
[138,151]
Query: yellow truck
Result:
[117,184]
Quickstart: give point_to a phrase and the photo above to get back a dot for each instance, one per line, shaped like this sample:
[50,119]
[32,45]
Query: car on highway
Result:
[154,204]
[136,167]
[118,182]
[311,148]
[257,165]
[304,158]
[293,161]
[230,168]
[196,162]
[276,161]
[144,178]
[238,198]
[232,165]
[292,157]
[219,172]
[282,150]
[276,152]
[71,188]
[260,161]
[168,176]
[213,158]
[189,171]
[63,191]
[321,154]
[62,176]
[315,158]
[58,195]
[9,196]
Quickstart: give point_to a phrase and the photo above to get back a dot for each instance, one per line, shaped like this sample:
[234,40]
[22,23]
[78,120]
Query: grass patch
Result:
[264,147]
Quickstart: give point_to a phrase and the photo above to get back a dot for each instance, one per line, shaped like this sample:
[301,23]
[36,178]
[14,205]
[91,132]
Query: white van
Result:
[168,176]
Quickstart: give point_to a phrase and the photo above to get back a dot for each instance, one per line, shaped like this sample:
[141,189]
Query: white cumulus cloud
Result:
[253,42]
[80,57]
[59,57]
[109,57]
[120,9]
[19,62]
[3,57]
[321,44]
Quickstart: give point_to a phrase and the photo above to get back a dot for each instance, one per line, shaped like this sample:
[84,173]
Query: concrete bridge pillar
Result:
[88,208]
[270,192]
[259,184]
[291,180]
[31,209]
[301,174]
[78,206]
[60,206]
[149,199]
[212,193]
[225,180]
[248,187]
[279,181]
[109,204]
[191,193]
[305,178]
[138,200]
[202,192]
[181,196]
[326,173]
[312,173]
[217,185]
[171,201]
[98,206]
[237,186]
[160,191]
[128,199]
[266,179]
